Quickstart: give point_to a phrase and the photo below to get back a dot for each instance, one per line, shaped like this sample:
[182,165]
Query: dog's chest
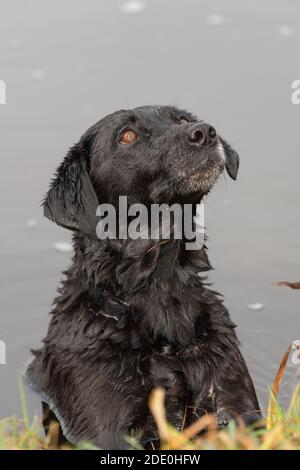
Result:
[168,325]
[158,320]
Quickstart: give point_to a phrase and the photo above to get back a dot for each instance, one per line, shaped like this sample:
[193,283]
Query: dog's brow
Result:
[132,118]
[128,119]
[157,111]
[177,113]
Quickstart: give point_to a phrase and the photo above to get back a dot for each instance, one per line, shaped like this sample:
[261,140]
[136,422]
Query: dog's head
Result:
[152,154]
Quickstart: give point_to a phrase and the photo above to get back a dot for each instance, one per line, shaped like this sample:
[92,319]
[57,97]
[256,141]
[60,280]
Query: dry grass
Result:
[282,428]
[280,431]
[20,434]
[283,432]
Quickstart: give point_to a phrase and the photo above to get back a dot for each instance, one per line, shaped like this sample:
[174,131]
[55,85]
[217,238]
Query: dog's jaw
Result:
[202,179]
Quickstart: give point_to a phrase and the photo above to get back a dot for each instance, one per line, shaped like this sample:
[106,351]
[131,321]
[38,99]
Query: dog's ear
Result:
[71,200]
[232,162]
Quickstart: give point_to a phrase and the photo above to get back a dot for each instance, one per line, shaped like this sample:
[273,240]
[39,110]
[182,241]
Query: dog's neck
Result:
[130,266]
[156,283]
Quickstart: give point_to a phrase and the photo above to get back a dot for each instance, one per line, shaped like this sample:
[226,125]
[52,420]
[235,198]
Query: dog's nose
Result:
[202,133]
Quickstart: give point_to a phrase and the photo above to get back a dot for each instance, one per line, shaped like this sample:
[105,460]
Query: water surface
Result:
[67,64]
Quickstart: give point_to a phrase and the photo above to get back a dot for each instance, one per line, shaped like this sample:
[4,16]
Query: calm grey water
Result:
[66,64]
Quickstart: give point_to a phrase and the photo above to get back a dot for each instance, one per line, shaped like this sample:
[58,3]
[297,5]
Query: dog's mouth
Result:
[193,181]
[201,179]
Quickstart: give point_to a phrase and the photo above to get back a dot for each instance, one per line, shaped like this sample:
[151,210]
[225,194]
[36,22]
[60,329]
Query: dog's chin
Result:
[196,183]
[200,181]
[191,184]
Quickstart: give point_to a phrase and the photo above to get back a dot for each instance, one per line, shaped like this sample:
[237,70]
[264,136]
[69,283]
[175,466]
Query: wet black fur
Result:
[133,315]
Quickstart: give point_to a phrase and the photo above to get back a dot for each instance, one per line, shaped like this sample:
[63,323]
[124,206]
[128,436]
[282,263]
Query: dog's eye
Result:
[128,137]
[183,120]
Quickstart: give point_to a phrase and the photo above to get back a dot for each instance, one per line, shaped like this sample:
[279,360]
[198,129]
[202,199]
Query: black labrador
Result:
[134,314]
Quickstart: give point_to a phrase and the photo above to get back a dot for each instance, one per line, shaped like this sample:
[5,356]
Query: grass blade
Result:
[23,401]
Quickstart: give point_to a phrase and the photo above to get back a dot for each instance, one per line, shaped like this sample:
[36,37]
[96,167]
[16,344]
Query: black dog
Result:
[135,314]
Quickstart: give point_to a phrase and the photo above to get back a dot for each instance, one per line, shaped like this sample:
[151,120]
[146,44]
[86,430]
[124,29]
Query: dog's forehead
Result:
[154,113]
[151,114]
[158,114]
